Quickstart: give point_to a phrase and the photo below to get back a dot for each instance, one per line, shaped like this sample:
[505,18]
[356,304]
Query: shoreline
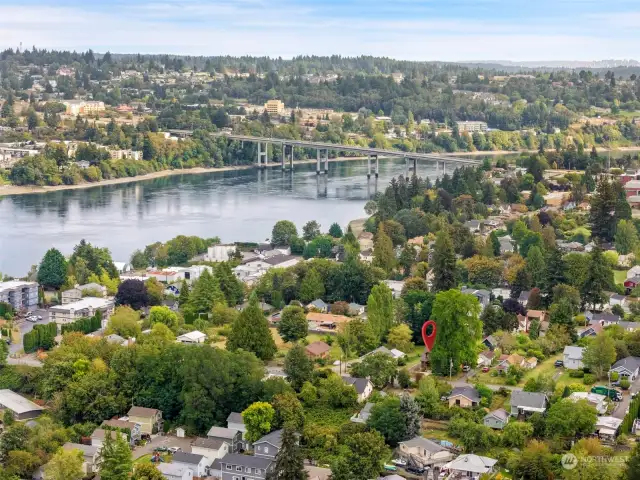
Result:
[6,190]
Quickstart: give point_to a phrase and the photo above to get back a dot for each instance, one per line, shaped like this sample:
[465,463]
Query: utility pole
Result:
[450,367]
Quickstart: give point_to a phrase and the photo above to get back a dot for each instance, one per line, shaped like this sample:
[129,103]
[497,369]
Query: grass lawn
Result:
[436,429]
[166,457]
[546,366]
[619,276]
[328,417]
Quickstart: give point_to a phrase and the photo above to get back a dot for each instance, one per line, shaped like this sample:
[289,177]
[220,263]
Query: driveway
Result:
[622,407]
[166,441]
[26,327]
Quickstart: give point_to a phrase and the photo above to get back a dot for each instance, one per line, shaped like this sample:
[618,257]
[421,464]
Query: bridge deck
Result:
[382,152]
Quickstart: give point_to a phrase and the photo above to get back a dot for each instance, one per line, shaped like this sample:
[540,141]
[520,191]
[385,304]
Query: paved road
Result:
[623,406]
[26,327]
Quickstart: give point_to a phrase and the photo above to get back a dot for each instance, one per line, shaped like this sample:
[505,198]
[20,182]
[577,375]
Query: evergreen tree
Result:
[293,324]
[603,203]
[289,460]
[444,263]
[495,243]
[383,253]
[250,332]
[183,299]
[231,287]
[411,411]
[311,287]
[632,469]
[554,271]
[52,271]
[116,462]
[626,237]
[298,367]
[335,231]
[599,279]
[205,294]
[536,266]
[521,283]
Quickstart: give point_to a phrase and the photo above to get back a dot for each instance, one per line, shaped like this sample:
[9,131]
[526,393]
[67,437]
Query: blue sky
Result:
[451,30]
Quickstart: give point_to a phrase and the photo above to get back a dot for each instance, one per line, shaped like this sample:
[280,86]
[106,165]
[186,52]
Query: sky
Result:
[445,30]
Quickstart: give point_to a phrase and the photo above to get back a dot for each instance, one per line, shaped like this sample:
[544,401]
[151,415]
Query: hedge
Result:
[42,336]
[84,325]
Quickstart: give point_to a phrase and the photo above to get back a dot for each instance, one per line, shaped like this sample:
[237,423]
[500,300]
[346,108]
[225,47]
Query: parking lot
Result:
[26,326]
[163,441]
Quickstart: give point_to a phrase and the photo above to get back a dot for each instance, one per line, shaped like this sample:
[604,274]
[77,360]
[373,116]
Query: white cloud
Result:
[282,28]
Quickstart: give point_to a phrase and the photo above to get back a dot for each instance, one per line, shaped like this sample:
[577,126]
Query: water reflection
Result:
[240,205]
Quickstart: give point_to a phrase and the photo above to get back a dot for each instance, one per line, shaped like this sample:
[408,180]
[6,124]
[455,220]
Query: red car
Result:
[485,369]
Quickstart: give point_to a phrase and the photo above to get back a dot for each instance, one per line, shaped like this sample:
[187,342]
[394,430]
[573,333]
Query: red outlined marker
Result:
[429,339]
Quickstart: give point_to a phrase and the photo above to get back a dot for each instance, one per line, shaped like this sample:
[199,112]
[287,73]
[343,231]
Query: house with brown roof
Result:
[327,320]
[317,350]
[132,429]
[507,361]
[150,419]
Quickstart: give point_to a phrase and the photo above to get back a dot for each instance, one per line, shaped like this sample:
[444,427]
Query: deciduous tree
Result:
[293,324]
[444,263]
[65,465]
[380,310]
[258,418]
[599,354]
[298,367]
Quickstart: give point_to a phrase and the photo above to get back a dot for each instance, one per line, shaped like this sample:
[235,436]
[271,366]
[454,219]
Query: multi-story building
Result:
[77,293]
[87,307]
[83,107]
[472,126]
[235,466]
[20,295]
[274,107]
[126,154]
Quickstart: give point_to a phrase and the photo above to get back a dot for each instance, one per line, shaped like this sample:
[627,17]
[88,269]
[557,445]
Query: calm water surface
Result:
[236,206]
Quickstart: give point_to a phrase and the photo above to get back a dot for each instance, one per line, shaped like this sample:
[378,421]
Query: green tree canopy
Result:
[250,332]
[52,271]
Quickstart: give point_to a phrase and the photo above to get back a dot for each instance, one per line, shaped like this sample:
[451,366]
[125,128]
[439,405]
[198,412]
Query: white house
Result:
[196,463]
[594,399]
[396,287]
[254,269]
[172,471]
[426,451]
[192,337]
[210,448]
[87,307]
[75,294]
[627,367]
[471,465]
[220,253]
[364,388]
[572,357]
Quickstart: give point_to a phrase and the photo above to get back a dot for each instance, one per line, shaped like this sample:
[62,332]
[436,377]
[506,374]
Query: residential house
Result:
[265,307]
[196,463]
[396,287]
[251,271]
[530,363]
[327,321]
[269,445]
[633,272]
[20,407]
[20,295]
[87,307]
[210,448]
[425,451]
[464,397]
[172,471]
[526,403]
[572,357]
[125,426]
[485,359]
[318,305]
[356,309]
[192,337]
[366,256]
[150,419]
[317,349]
[627,367]
[506,245]
[229,435]
[99,435]
[599,402]
[497,419]
[473,225]
[79,291]
[523,299]
[90,456]
[394,352]
[490,342]
[607,428]
[483,296]
[589,331]
[116,339]
[235,422]
[631,283]
[604,319]
[507,361]
[364,388]
[621,300]
[503,293]
[470,466]
[363,415]
[220,253]
[234,466]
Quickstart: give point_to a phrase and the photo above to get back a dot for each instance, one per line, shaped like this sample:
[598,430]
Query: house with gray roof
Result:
[319,305]
[483,296]
[464,397]
[172,471]
[197,463]
[229,435]
[572,357]
[211,448]
[471,466]
[90,456]
[269,445]
[363,415]
[627,367]
[234,466]
[527,403]
[497,419]
[424,451]
[364,387]
[236,422]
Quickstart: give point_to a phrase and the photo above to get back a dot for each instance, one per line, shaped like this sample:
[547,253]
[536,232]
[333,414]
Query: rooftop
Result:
[86,302]
[17,403]
[246,460]
[142,412]
[424,443]
[184,457]
[222,432]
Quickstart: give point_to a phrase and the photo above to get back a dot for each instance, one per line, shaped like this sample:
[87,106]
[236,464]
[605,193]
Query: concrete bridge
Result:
[322,149]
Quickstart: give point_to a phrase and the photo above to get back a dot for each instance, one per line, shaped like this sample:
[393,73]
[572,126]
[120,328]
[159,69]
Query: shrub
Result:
[625,384]
[225,331]
[615,376]
[404,379]
[576,373]
[589,379]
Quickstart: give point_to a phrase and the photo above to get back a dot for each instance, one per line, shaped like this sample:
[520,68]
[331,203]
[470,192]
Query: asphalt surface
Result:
[166,441]
[26,327]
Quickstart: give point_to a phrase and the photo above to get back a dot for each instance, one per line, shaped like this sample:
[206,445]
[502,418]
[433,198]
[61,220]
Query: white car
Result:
[173,450]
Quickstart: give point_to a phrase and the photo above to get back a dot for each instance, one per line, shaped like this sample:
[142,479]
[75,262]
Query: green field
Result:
[619,276]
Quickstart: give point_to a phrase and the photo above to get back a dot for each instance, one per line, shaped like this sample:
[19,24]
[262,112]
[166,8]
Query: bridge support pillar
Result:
[415,167]
[368,166]
[377,166]
[259,154]
[291,158]
[326,162]
[318,162]
[444,169]
[284,155]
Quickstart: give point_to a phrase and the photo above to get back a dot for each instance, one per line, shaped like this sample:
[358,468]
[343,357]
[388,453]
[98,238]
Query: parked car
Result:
[485,369]
[466,368]
[173,450]
[415,470]
[399,462]
[161,448]
[559,363]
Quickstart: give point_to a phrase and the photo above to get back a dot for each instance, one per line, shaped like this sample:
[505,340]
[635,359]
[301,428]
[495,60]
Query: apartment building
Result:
[87,307]
[472,126]
[274,107]
[126,154]
[83,107]
[20,295]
